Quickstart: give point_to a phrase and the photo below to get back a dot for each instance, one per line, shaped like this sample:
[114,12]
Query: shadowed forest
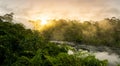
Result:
[20,46]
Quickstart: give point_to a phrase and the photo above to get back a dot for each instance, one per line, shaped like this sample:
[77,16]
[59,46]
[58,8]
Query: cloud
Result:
[76,9]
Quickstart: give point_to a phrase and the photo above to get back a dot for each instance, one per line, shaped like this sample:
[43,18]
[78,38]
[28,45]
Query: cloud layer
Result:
[73,9]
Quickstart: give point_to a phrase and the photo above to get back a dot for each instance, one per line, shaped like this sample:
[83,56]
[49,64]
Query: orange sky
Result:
[72,9]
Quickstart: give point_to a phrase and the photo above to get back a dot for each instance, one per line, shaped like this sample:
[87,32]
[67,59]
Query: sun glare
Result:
[43,21]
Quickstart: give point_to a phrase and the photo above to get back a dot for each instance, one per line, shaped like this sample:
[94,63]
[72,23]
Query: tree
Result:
[7,17]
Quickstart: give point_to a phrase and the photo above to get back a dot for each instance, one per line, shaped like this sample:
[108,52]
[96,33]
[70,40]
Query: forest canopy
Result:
[31,47]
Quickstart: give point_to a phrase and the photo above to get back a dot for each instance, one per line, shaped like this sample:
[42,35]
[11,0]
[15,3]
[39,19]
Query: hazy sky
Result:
[73,9]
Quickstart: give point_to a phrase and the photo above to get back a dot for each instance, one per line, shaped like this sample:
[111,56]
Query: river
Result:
[112,54]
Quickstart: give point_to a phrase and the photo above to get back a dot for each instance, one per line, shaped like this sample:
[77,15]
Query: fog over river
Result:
[101,52]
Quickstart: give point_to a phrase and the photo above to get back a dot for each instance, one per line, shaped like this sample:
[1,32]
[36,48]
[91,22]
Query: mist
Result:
[113,59]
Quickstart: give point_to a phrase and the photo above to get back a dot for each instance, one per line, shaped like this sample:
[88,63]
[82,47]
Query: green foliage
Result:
[16,41]
[91,60]
[118,65]
[22,61]
[63,59]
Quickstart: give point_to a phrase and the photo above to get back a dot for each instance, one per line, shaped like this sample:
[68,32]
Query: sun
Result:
[43,21]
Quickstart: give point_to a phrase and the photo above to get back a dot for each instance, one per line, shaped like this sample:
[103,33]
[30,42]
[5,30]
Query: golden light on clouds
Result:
[60,9]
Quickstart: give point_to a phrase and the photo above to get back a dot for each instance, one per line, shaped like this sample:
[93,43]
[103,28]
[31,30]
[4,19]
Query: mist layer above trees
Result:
[104,32]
